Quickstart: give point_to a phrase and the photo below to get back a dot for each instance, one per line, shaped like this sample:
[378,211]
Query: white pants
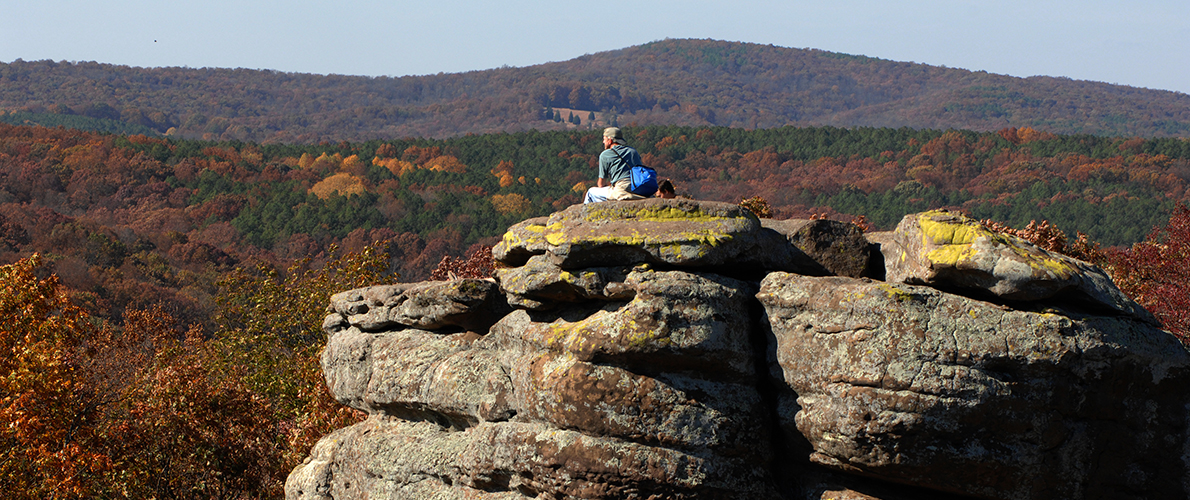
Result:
[617,191]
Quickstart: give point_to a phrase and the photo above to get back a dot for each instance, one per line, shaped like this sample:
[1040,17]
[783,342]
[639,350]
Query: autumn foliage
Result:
[1049,237]
[48,442]
[149,409]
[1156,272]
[161,287]
[758,206]
[479,264]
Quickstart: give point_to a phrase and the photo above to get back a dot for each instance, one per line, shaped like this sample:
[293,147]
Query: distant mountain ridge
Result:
[681,82]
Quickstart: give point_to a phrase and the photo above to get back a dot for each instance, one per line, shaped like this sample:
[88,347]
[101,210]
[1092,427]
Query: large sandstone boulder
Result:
[917,385]
[679,232]
[560,403]
[468,304]
[671,232]
[680,349]
[950,251]
[829,247]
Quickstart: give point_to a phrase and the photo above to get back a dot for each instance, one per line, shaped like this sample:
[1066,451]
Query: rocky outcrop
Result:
[678,349]
[950,251]
[920,386]
[830,248]
[674,232]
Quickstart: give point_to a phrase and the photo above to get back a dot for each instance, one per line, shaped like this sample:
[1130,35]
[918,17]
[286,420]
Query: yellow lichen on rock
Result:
[951,255]
[958,230]
[554,234]
[954,236]
[516,238]
[895,292]
[959,239]
[1053,265]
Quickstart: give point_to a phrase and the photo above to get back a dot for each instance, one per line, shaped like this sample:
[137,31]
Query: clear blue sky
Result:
[1142,43]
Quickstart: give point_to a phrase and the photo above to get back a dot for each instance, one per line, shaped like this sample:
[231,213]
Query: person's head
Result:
[665,189]
[612,135]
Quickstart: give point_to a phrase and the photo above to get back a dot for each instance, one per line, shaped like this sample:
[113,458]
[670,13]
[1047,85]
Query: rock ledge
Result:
[681,349]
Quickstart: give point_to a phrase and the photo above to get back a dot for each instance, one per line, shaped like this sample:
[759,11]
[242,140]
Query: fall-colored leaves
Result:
[446,163]
[397,166]
[512,203]
[146,409]
[758,206]
[1024,135]
[342,184]
[479,264]
[416,157]
[1156,272]
[43,396]
[503,172]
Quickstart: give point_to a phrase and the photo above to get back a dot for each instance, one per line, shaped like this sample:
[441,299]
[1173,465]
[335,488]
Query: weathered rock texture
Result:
[677,349]
[947,250]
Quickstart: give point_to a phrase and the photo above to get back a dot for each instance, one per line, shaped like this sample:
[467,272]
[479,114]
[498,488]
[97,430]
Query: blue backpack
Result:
[643,180]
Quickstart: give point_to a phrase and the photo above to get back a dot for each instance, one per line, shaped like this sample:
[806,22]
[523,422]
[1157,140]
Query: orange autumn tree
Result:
[503,172]
[512,203]
[191,427]
[446,163]
[150,410]
[342,183]
[93,410]
[48,447]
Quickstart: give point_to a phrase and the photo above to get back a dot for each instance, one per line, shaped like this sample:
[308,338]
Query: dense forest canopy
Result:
[137,219]
[161,297]
[669,82]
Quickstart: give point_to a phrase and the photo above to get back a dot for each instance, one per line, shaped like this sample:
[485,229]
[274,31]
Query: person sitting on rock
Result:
[615,169]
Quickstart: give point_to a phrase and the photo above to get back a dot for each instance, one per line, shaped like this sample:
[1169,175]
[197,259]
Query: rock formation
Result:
[680,349]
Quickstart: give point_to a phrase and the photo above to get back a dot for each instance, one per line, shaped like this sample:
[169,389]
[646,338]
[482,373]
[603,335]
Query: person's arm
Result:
[604,161]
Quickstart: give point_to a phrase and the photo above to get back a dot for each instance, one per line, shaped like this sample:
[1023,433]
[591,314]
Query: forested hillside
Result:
[161,298]
[674,82]
[134,219]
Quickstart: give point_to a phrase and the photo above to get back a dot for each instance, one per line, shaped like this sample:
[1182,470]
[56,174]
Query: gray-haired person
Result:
[615,166]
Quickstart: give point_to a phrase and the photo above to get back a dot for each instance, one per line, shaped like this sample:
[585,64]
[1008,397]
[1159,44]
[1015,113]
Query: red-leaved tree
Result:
[478,265]
[1156,272]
